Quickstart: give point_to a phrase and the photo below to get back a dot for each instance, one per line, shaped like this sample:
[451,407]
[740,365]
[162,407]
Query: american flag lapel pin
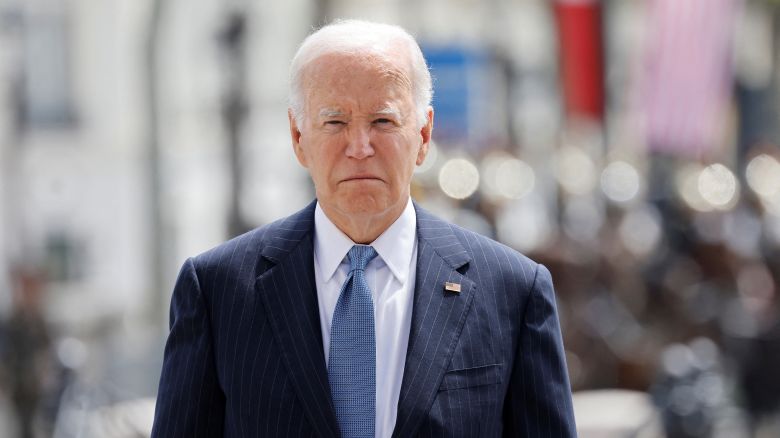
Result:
[452,287]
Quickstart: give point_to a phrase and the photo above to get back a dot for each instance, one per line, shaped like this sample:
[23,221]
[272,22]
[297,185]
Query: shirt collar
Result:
[395,245]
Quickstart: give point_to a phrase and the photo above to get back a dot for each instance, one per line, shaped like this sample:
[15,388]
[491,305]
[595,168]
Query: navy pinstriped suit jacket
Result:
[244,357]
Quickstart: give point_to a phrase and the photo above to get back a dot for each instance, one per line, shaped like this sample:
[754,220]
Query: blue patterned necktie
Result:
[352,355]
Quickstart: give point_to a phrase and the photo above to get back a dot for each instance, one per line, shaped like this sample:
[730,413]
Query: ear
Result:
[425,133]
[295,135]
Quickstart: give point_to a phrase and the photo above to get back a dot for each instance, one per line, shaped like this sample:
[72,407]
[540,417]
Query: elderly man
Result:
[362,315]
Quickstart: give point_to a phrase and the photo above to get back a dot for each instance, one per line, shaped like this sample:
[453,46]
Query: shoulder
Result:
[246,249]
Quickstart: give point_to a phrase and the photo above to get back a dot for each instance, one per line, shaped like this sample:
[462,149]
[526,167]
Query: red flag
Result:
[582,72]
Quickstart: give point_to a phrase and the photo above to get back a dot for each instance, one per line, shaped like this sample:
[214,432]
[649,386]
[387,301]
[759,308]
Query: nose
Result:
[359,146]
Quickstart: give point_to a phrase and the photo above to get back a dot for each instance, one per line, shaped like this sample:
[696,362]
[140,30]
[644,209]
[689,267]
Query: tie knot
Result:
[359,256]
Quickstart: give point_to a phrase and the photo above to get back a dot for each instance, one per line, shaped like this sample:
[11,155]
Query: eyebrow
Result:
[330,112]
[388,112]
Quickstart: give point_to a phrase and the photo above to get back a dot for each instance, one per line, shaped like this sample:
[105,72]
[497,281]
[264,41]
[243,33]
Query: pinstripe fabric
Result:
[244,357]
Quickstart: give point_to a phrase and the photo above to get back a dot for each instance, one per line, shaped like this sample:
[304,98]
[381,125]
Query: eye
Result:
[383,121]
[334,122]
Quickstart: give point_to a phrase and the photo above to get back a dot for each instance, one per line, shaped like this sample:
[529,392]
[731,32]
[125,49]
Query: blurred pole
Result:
[234,109]
[157,311]
[321,12]
[11,132]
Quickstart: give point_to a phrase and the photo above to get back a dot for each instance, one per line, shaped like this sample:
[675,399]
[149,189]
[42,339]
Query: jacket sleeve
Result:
[538,401]
[190,402]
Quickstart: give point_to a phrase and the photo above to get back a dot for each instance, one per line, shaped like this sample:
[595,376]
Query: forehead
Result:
[344,78]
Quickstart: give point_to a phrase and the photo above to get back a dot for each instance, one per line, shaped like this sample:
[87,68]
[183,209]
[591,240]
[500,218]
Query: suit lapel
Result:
[288,291]
[437,319]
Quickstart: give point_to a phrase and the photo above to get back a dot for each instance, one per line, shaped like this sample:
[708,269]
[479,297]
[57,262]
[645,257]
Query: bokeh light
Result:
[575,170]
[459,178]
[640,230]
[489,171]
[514,178]
[687,182]
[718,186]
[763,175]
[620,181]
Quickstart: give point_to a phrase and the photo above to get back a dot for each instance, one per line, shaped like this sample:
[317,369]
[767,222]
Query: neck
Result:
[363,228]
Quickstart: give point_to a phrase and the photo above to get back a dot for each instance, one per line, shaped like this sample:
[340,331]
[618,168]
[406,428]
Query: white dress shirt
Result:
[390,276]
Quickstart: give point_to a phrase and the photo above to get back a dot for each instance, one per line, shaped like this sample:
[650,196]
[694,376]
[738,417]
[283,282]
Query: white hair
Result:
[357,36]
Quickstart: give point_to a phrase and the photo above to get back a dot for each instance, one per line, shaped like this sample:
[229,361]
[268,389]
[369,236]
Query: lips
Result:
[361,177]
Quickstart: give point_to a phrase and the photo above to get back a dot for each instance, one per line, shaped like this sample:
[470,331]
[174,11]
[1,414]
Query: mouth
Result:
[361,177]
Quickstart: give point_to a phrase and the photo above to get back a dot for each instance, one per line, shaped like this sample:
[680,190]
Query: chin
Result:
[364,204]
[361,207]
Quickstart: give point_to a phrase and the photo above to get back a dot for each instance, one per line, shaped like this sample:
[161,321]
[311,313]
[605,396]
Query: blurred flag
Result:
[579,35]
[687,79]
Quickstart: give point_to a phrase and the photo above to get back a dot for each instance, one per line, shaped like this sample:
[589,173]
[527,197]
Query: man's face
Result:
[360,138]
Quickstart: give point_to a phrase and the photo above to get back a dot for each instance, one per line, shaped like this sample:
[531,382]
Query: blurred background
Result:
[630,145]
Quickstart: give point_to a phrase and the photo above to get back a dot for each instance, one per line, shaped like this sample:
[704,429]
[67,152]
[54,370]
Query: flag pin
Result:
[452,287]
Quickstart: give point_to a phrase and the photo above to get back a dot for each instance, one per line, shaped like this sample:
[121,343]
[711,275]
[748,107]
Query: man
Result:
[362,314]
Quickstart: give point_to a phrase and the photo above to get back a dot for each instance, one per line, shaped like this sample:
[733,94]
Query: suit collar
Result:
[439,235]
[286,234]
[437,319]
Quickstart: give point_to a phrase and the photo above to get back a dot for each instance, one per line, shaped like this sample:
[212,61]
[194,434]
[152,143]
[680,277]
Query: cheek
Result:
[323,168]
[403,164]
